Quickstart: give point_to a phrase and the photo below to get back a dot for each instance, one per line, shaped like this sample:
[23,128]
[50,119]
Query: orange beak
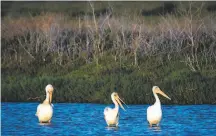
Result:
[162,93]
[119,102]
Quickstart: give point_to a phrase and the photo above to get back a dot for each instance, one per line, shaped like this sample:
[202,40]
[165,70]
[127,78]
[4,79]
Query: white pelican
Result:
[154,112]
[45,110]
[112,115]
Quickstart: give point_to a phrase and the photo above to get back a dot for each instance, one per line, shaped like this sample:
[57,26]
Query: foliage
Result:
[86,55]
[133,85]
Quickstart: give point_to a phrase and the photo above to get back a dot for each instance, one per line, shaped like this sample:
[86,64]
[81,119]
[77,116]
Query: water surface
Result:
[87,119]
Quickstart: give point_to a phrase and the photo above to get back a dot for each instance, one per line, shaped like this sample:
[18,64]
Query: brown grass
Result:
[89,36]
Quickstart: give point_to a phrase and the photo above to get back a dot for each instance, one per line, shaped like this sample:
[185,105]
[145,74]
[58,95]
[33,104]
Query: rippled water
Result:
[88,119]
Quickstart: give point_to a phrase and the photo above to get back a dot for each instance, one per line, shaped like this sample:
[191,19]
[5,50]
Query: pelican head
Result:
[49,90]
[156,90]
[115,97]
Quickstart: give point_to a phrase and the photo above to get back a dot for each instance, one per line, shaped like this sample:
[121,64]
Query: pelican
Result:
[154,112]
[111,116]
[45,109]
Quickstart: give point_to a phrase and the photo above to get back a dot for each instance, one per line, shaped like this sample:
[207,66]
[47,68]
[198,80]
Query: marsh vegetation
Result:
[88,50]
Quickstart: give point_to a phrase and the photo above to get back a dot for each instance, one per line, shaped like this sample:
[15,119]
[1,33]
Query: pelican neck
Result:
[47,97]
[156,98]
[116,104]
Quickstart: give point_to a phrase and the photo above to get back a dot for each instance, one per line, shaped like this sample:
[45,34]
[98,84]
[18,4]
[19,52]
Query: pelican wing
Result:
[154,114]
[38,110]
[106,110]
[44,112]
[111,116]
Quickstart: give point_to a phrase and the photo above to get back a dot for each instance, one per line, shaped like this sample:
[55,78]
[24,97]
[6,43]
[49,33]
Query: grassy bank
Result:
[88,56]
[133,84]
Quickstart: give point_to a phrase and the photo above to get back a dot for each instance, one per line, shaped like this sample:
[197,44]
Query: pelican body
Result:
[45,109]
[154,112]
[111,116]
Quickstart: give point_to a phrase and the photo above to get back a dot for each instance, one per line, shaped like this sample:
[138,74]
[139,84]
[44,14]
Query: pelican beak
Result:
[50,97]
[119,102]
[162,93]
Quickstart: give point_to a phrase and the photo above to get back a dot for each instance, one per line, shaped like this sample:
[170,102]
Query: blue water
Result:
[88,119]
